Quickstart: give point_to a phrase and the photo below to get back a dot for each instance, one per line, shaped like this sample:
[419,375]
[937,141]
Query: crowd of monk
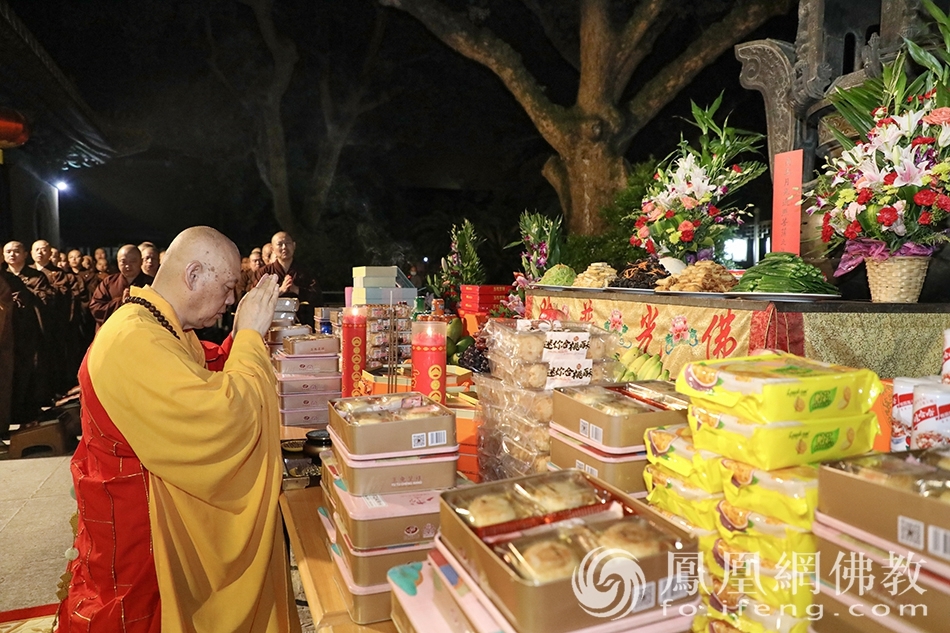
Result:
[53,302]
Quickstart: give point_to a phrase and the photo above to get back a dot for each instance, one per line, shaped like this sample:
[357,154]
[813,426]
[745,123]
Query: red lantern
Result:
[14,130]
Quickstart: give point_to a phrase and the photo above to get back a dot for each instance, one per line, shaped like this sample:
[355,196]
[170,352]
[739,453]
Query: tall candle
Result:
[428,358]
[353,356]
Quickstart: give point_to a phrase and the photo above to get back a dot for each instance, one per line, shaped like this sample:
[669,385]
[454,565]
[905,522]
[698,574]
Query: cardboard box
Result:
[552,607]
[615,434]
[456,379]
[396,438]
[307,365]
[850,614]
[316,383]
[310,344]
[895,515]
[374,271]
[374,282]
[364,604]
[363,296]
[623,471]
[316,418]
[314,400]
[276,334]
[454,599]
[368,567]
[287,304]
[473,290]
[413,608]
[374,521]
[384,476]
[926,609]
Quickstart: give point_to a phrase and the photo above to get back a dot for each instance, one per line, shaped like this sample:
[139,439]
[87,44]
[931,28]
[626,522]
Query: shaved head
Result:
[129,260]
[41,252]
[198,276]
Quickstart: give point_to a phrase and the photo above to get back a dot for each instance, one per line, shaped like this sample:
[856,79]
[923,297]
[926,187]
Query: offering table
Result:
[892,339]
[308,541]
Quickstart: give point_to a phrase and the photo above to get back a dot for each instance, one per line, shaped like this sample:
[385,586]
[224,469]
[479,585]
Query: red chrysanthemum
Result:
[890,178]
[635,241]
[827,232]
[865,195]
[943,202]
[925,197]
[885,121]
[651,247]
[641,221]
[737,169]
[853,230]
[925,218]
[686,236]
[923,140]
[713,211]
[669,214]
[887,216]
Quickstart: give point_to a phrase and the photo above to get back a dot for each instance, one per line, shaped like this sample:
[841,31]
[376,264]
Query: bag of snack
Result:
[672,447]
[787,494]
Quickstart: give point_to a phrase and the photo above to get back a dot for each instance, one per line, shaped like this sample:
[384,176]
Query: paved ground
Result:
[35,508]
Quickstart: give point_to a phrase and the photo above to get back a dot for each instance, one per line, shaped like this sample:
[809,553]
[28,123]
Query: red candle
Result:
[353,348]
[428,359]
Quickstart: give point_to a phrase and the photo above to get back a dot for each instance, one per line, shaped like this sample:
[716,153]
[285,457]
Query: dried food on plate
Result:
[642,274]
[703,276]
[597,275]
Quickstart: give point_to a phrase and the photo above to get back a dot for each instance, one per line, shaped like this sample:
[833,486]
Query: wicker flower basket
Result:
[896,279]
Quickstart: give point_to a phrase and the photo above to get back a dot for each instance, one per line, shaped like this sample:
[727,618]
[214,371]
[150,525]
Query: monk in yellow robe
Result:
[179,469]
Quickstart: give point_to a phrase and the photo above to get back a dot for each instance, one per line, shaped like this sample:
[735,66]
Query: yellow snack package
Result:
[786,584]
[780,444]
[729,611]
[787,494]
[672,447]
[706,538]
[775,387]
[674,494]
[766,535]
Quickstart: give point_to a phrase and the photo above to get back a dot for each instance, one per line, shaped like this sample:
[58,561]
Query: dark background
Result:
[450,141]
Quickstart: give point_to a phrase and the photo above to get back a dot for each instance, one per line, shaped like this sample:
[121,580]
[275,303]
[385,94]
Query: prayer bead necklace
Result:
[155,313]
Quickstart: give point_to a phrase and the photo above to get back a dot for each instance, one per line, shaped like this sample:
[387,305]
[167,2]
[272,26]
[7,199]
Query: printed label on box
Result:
[596,433]
[647,598]
[584,428]
[910,532]
[418,440]
[374,501]
[565,344]
[938,541]
[569,372]
[676,588]
[437,438]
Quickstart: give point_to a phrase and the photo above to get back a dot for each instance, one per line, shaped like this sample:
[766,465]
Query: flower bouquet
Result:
[685,214]
[886,196]
[461,266]
[541,240]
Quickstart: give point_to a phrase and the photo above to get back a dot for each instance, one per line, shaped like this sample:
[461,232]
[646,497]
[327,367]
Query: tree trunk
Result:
[586,180]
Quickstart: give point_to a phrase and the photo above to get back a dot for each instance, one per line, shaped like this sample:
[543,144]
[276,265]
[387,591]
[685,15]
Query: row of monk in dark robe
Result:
[52,304]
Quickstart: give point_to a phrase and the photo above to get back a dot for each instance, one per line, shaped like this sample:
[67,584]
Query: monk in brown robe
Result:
[90,281]
[6,354]
[114,289]
[294,280]
[63,326]
[149,258]
[32,376]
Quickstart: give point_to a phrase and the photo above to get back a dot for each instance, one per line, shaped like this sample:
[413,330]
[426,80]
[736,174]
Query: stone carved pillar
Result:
[768,66]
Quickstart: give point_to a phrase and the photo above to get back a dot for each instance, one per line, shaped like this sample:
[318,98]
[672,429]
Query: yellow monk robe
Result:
[209,444]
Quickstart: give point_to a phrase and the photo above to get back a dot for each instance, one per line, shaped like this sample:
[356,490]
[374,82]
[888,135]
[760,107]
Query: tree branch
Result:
[745,17]
[633,48]
[482,46]
[598,41]
[566,46]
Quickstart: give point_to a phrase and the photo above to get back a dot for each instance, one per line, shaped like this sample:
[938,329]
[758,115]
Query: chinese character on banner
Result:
[853,568]
[587,313]
[900,571]
[718,332]
[685,568]
[648,324]
[798,571]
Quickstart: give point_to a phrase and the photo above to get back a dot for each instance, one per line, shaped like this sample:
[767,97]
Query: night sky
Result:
[447,141]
